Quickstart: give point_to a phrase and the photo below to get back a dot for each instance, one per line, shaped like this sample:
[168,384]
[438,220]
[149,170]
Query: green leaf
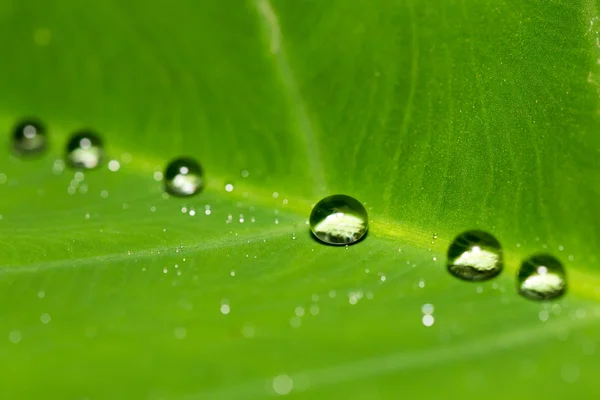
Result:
[440,116]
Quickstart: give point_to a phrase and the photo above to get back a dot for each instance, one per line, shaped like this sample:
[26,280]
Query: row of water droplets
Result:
[335,220]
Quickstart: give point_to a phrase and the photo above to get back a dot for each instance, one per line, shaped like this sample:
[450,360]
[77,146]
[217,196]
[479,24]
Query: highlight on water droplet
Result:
[339,220]
[29,138]
[183,177]
[475,256]
[85,150]
[541,277]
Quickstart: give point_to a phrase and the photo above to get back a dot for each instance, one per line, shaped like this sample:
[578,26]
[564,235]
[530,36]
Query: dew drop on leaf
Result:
[183,177]
[541,277]
[29,138]
[85,150]
[339,220]
[475,256]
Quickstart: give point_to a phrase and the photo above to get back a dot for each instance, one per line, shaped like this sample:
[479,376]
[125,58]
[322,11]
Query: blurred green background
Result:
[440,116]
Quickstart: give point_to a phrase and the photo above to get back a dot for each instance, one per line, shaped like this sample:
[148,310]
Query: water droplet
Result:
[475,256]
[15,336]
[225,309]
[339,220]
[126,158]
[45,318]
[570,372]
[248,331]
[29,138]
[244,173]
[283,384]
[183,177]
[428,320]
[229,187]
[180,333]
[541,277]
[114,165]
[427,308]
[85,150]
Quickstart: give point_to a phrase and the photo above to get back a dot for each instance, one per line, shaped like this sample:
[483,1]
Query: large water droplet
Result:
[183,177]
[29,138]
[339,219]
[541,277]
[85,150]
[475,256]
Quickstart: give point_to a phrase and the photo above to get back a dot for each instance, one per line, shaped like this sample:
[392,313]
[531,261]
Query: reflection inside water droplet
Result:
[85,150]
[475,256]
[339,220]
[183,177]
[541,277]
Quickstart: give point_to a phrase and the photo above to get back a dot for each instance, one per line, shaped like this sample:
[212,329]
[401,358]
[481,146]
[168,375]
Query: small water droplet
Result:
[427,308]
[339,220]
[428,320]
[180,333]
[85,150]
[225,309]
[15,336]
[126,158]
[114,165]
[248,331]
[29,138]
[229,187]
[570,372]
[183,177]
[283,384]
[244,173]
[541,277]
[45,318]
[295,322]
[475,256]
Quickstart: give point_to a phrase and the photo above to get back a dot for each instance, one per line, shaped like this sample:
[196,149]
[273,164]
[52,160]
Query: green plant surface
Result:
[440,116]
